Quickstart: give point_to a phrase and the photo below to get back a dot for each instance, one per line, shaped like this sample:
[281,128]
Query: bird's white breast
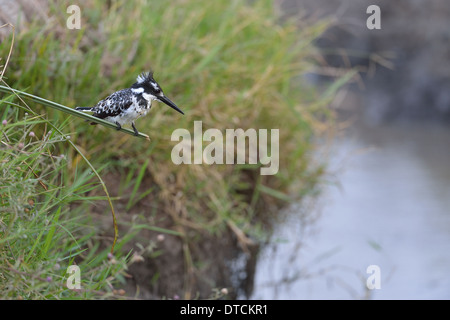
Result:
[132,113]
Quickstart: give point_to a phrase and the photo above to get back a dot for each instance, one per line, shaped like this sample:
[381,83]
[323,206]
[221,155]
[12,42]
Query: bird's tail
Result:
[85,109]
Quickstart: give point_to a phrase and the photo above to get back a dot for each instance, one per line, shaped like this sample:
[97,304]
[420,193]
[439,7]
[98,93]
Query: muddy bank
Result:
[193,264]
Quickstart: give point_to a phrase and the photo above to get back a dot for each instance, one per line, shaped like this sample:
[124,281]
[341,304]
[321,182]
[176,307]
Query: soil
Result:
[186,267]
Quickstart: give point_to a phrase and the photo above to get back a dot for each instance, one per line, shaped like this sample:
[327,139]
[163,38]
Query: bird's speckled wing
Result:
[114,104]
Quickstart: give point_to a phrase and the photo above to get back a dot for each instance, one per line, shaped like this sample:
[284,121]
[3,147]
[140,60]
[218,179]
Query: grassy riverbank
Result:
[225,63]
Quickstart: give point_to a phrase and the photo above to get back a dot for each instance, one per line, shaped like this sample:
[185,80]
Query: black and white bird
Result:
[127,105]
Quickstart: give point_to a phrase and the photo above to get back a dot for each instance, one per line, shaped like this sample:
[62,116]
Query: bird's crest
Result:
[145,77]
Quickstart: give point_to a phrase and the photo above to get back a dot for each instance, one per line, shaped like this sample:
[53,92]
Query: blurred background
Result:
[390,204]
[363,117]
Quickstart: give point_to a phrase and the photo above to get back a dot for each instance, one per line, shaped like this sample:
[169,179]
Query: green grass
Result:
[226,63]
[41,231]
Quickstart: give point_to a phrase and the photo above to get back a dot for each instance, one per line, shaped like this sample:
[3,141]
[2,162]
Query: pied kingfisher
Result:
[125,106]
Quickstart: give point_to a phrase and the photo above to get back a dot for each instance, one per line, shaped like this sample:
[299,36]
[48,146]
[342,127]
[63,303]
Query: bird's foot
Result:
[136,132]
[118,126]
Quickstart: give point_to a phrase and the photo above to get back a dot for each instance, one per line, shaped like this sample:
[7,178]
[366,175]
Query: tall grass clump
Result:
[229,64]
[43,230]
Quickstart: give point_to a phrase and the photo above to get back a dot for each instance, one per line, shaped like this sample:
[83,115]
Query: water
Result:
[391,209]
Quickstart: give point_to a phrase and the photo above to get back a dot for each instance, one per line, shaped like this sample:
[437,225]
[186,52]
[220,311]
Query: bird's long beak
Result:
[169,103]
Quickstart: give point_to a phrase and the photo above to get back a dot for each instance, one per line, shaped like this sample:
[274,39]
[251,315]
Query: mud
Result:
[195,265]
